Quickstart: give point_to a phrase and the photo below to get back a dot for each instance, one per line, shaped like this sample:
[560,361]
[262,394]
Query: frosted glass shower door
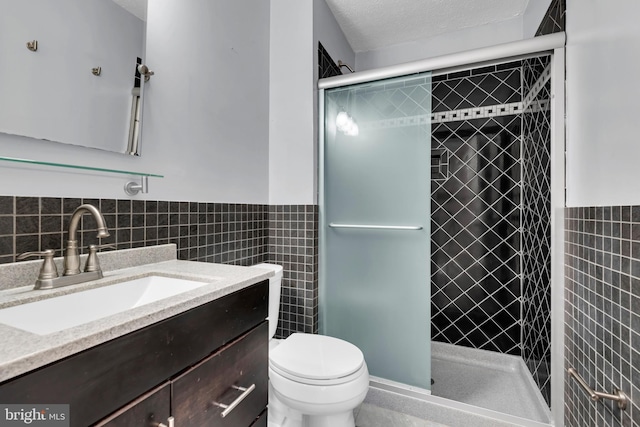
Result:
[374,224]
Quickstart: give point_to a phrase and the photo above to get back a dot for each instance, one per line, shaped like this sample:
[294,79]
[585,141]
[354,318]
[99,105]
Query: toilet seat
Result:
[316,359]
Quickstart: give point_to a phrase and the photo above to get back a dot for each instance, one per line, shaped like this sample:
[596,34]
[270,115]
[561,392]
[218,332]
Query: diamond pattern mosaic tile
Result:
[536,227]
[394,101]
[403,104]
[536,72]
[501,87]
[475,235]
[555,18]
[476,300]
[326,65]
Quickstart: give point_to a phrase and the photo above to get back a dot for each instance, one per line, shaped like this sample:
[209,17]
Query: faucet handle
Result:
[48,269]
[93,264]
[105,246]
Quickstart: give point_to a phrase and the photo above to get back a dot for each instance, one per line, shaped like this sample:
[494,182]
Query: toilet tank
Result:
[275,283]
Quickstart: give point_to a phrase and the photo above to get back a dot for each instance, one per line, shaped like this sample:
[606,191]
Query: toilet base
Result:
[344,419]
[293,419]
[279,415]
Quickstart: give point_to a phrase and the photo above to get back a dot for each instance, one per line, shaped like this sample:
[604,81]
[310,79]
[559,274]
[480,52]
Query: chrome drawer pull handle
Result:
[230,407]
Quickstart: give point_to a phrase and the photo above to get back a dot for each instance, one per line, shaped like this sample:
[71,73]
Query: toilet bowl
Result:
[314,380]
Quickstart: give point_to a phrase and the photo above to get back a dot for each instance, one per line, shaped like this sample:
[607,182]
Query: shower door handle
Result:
[376,227]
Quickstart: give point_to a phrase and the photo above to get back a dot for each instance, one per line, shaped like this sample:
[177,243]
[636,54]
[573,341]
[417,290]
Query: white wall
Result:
[451,42]
[51,93]
[603,66]
[206,118]
[291,169]
[296,28]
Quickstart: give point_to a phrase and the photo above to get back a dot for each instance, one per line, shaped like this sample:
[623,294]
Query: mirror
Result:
[68,71]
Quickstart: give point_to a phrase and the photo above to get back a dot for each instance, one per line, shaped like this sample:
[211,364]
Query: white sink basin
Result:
[66,311]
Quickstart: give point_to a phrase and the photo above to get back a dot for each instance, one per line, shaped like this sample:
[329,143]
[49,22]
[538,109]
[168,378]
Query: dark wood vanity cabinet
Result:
[188,366]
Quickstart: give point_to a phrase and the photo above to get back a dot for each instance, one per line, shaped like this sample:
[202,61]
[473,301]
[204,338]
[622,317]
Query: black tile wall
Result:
[240,234]
[602,312]
[207,232]
[392,103]
[536,320]
[475,89]
[326,65]
[475,237]
[536,227]
[475,259]
[555,18]
[476,71]
[293,243]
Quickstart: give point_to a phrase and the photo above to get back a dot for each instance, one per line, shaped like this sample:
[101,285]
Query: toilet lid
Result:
[316,357]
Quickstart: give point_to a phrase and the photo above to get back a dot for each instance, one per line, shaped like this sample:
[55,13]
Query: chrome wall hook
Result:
[96,71]
[145,71]
[132,188]
[342,64]
[32,45]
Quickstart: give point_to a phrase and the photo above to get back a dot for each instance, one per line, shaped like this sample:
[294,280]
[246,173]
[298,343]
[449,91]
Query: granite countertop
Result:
[23,351]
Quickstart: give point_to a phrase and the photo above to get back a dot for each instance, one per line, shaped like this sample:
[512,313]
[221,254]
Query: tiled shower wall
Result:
[326,65]
[475,209]
[240,234]
[602,312]
[554,19]
[536,222]
[491,212]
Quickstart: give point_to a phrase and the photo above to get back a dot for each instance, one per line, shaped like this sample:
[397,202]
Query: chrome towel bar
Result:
[618,395]
[377,227]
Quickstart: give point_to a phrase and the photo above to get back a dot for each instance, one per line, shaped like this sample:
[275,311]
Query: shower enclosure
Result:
[469,160]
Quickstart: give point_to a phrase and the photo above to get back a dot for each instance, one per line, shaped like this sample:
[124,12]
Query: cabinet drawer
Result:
[147,411]
[196,394]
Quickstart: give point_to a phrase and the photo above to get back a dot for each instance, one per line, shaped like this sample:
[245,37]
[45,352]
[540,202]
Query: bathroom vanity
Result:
[200,358]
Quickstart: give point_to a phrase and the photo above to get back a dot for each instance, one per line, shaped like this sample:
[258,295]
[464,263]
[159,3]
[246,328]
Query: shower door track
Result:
[446,63]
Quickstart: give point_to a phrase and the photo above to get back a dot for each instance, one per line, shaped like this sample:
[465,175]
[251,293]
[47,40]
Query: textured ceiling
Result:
[136,7]
[374,24]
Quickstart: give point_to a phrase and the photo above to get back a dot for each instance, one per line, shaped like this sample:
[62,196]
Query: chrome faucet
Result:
[48,276]
[71,258]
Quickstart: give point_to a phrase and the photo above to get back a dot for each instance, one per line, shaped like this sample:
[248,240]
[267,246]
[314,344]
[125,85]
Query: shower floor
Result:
[486,379]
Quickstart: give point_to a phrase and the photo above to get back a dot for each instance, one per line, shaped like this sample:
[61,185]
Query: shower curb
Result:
[445,411]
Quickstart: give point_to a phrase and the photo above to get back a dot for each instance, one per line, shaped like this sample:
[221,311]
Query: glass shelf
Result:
[87,168]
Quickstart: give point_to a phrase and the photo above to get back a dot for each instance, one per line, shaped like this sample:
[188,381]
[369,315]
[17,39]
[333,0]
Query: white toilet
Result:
[314,380]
